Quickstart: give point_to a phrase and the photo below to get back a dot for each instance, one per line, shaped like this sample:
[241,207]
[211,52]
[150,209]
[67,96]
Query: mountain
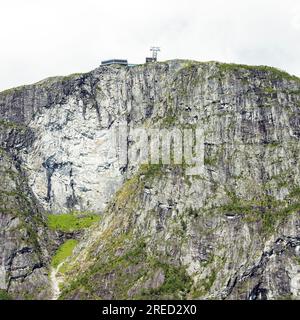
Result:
[82,218]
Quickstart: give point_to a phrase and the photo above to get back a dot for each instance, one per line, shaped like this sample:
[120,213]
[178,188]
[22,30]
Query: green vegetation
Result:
[189,64]
[210,161]
[4,295]
[209,281]
[265,208]
[72,76]
[151,170]
[129,264]
[176,280]
[176,285]
[11,125]
[128,193]
[294,92]
[169,120]
[127,197]
[274,72]
[73,221]
[63,252]
[12,90]
[46,82]
[15,201]
[51,80]
[269,90]
[191,212]
[274,144]
[125,259]
[118,265]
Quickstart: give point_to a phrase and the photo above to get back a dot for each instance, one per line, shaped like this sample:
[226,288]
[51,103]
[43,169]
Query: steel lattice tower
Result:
[154,50]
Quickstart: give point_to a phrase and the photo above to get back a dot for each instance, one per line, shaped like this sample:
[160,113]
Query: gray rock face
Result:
[23,242]
[232,232]
[70,164]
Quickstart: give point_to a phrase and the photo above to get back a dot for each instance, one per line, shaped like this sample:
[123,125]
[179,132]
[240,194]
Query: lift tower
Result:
[154,50]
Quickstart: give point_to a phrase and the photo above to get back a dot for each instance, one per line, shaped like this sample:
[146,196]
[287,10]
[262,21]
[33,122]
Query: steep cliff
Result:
[23,236]
[231,232]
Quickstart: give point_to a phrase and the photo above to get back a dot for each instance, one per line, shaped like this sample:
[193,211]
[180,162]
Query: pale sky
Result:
[42,38]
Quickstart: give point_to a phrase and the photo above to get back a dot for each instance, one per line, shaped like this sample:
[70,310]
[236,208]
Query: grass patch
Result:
[169,120]
[177,283]
[209,281]
[269,90]
[45,82]
[294,92]
[63,252]
[266,208]
[151,170]
[274,72]
[6,124]
[210,161]
[4,295]
[69,222]
[11,91]
[110,262]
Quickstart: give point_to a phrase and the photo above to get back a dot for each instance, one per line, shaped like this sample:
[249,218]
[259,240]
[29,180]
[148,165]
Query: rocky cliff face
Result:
[23,237]
[231,232]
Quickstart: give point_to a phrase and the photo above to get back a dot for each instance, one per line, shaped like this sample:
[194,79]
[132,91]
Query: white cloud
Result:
[45,38]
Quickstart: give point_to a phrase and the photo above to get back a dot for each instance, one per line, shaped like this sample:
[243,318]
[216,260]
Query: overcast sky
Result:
[45,38]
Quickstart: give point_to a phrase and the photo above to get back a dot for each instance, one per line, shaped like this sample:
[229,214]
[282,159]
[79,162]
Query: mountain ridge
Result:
[232,233]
